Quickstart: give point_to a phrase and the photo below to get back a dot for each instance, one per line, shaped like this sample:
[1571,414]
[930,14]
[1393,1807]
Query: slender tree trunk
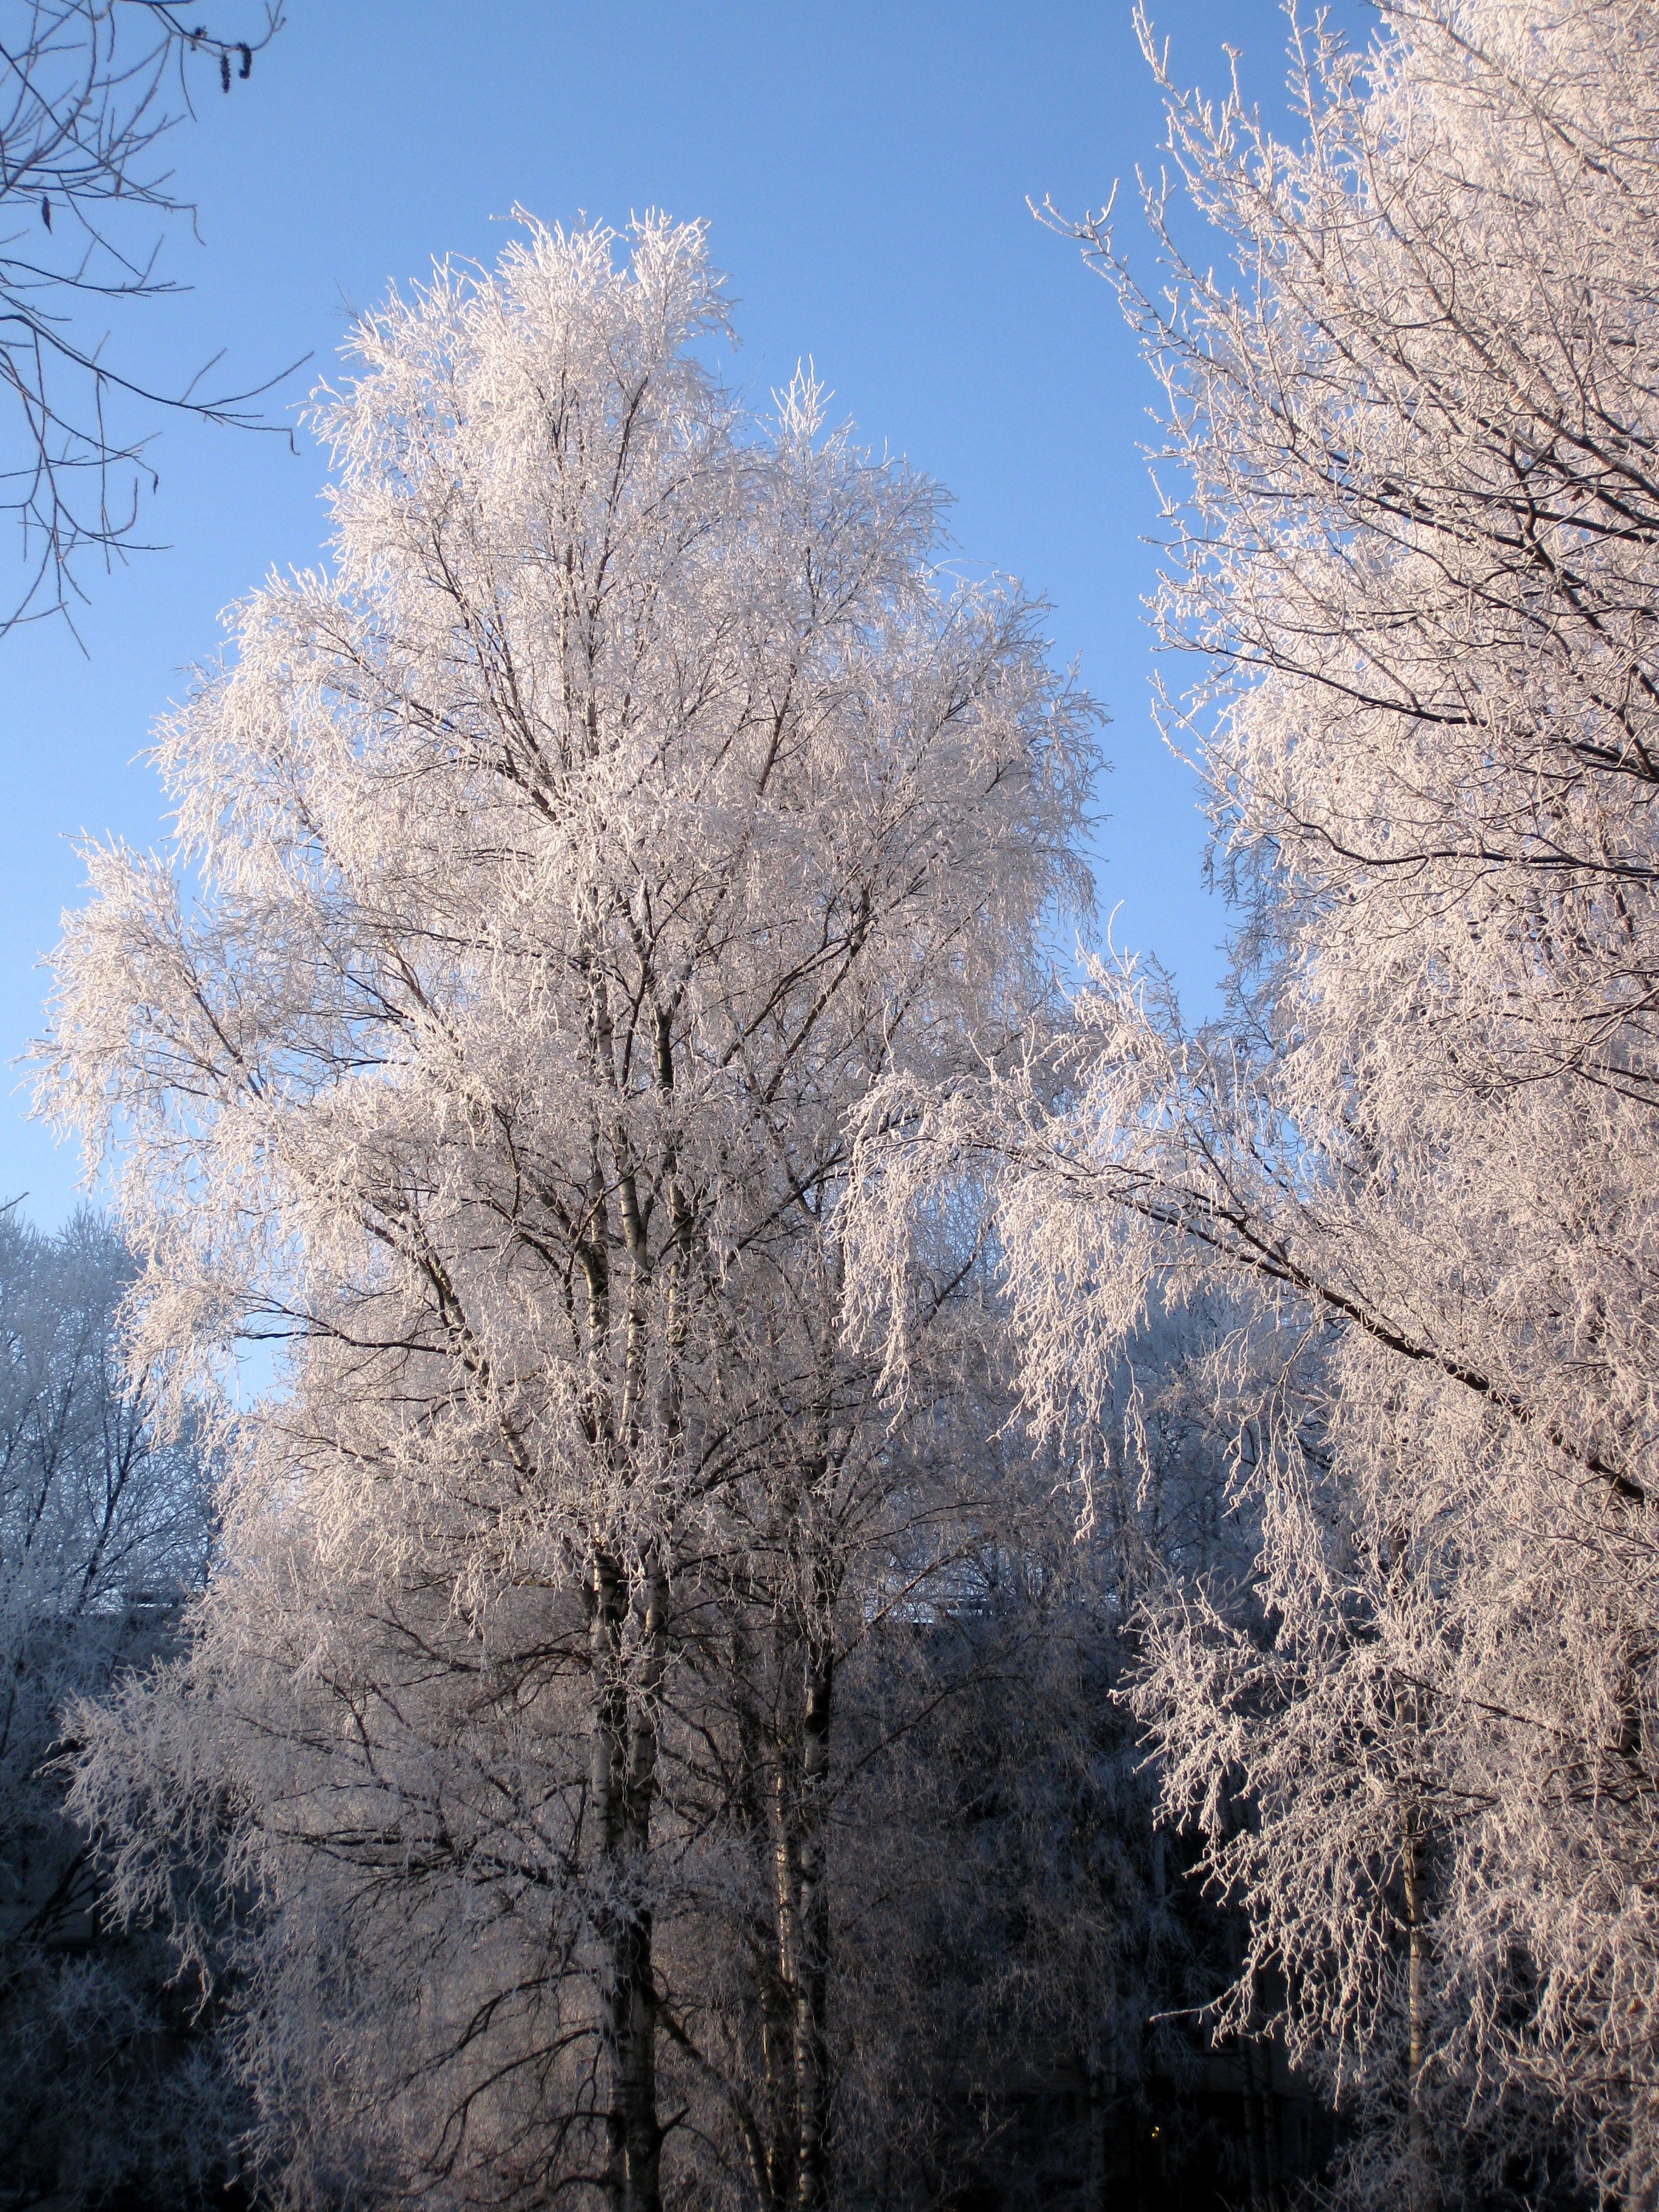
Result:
[633,2138]
[1424,2193]
[812,1959]
[622,1784]
[760,1796]
[779,2024]
[1639,2193]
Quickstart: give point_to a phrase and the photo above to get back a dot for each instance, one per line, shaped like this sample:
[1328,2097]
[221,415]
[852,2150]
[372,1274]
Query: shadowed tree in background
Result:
[105,1526]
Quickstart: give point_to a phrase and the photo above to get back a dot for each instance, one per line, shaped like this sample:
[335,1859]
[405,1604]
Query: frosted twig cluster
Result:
[89,91]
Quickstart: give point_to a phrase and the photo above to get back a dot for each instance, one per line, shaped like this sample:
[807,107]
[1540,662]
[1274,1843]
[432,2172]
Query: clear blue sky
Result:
[865,169]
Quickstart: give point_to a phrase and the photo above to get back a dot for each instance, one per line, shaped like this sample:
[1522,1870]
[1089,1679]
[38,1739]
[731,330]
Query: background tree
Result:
[89,90]
[106,2084]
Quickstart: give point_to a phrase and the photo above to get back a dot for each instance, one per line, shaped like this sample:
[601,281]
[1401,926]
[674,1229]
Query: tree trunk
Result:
[1422,2193]
[812,1958]
[624,1784]
[633,2138]
[770,2133]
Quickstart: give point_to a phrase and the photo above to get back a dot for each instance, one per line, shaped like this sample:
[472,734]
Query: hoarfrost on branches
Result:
[105,1528]
[89,90]
[554,878]
[1412,535]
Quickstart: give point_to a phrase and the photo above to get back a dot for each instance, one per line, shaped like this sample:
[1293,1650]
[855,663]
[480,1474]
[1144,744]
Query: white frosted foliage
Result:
[554,876]
[1412,526]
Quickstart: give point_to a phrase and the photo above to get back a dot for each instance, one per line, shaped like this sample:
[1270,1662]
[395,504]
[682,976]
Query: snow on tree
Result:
[554,880]
[1413,539]
[106,1525]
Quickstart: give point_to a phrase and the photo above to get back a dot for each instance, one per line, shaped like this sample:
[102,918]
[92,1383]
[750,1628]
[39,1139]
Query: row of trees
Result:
[776,1404]
[1010,1944]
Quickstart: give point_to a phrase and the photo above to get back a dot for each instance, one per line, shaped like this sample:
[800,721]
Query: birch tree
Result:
[554,878]
[1411,531]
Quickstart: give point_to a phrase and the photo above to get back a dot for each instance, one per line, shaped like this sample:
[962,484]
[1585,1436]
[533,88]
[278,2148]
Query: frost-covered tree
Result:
[1413,537]
[554,880]
[106,1525]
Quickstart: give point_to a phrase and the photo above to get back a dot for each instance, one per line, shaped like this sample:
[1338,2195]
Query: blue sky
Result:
[865,170]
